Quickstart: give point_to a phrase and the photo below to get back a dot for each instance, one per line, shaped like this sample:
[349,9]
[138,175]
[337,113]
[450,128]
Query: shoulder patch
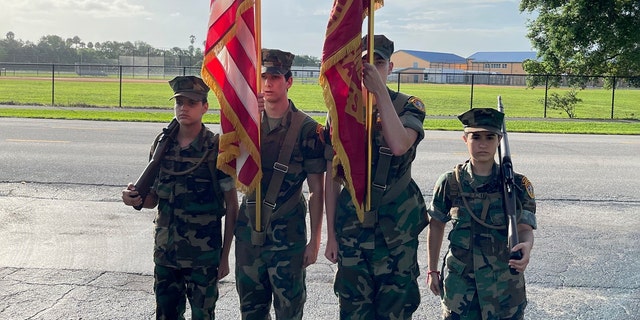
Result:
[417,102]
[529,187]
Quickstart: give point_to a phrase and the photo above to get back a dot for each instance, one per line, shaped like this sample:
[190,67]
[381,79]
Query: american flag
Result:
[229,69]
[340,77]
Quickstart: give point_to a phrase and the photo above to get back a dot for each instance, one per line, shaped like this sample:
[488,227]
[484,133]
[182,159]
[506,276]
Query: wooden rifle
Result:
[148,176]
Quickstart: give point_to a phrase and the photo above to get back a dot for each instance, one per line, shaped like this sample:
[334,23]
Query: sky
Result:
[461,27]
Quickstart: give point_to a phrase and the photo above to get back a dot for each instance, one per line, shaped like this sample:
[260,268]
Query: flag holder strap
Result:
[281,167]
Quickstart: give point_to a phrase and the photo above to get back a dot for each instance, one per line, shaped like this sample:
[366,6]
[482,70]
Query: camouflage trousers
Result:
[173,286]
[377,283]
[263,275]
[475,312]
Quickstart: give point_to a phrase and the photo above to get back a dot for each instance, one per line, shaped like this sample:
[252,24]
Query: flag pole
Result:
[369,106]
[258,24]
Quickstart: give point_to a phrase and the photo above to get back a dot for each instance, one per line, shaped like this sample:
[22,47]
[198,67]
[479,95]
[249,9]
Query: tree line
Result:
[55,49]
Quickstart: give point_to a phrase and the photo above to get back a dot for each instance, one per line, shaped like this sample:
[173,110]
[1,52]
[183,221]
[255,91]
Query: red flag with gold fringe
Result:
[229,69]
[341,80]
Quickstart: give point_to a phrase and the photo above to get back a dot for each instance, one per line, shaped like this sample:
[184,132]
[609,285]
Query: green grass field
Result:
[442,101]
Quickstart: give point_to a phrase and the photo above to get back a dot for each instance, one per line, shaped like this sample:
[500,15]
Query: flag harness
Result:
[280,169]
[379,185]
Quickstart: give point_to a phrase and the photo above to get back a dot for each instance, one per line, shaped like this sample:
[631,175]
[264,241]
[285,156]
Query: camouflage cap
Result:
[191,87]
[275,61]
[381,45]
[482,119]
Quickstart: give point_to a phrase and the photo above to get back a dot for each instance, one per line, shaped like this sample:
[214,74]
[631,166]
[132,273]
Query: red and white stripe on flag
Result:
[229,69]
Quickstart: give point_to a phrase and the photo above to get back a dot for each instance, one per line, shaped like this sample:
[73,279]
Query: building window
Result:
[495,65]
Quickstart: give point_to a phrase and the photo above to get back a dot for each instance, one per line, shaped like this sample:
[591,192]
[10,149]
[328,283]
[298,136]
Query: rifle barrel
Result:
[508,190]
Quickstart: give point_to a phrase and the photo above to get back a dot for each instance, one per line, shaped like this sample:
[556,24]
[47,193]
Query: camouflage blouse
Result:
[404,217]
[477,260]
[286,229]
[188,229]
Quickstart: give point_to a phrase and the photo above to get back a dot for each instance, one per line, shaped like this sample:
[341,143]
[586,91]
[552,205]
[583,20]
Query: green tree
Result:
[583,37]
[566,102]
[10,48]
[76,40]
[192,40]
[112,49]
[305,60]
[52,48]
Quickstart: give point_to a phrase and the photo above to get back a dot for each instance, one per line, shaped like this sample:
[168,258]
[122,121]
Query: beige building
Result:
[500,62]
[496,68]
[416,65]
[482,62]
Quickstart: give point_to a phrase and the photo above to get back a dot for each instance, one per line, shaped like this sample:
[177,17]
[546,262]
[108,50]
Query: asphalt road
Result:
[72,250]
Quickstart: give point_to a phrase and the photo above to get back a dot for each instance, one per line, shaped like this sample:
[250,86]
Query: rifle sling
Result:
[210,157]
[197,161]
[281,167]
[485,204]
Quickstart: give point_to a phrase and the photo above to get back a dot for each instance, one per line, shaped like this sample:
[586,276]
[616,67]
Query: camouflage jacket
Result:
[188,229]
[286,229]
[404,217]
[477,260]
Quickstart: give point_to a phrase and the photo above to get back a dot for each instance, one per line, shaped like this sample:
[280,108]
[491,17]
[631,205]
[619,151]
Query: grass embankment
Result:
[443,103]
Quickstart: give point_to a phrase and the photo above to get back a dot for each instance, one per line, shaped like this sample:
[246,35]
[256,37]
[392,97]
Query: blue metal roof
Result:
[437,57]
[503,56]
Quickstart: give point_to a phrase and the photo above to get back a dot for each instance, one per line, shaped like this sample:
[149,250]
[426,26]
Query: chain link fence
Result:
[611,97]
[621,92]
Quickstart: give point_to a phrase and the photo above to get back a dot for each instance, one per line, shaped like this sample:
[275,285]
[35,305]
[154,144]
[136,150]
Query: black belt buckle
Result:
[280,167]
[385,151]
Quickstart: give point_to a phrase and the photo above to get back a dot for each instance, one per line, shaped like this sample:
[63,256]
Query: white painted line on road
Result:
[37,141]
[85,128]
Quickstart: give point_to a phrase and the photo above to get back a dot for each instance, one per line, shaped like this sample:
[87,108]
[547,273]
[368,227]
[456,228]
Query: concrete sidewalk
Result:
[572,278]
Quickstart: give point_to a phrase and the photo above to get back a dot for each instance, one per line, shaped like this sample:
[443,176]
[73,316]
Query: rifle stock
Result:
[508,190]
[150,172]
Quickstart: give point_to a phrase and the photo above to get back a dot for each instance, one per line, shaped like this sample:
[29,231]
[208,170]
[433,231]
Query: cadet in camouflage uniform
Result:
[192,197]
[477,281]
[377,259]
[270,264]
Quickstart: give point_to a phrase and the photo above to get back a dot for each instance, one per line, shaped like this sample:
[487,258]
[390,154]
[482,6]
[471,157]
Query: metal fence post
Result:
[120,93]
[53,84]
[613,94]
[546,91]
[471,102]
